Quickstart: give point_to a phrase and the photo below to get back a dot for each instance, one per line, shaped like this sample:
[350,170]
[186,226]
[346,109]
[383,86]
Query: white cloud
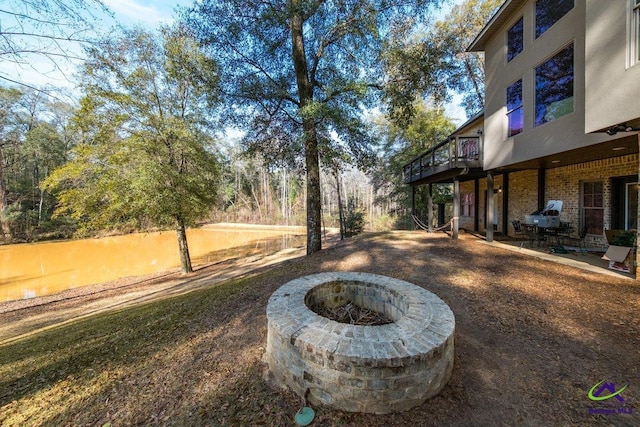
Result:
[128,12]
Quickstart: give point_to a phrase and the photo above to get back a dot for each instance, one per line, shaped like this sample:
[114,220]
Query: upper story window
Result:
[515,40]
[634,42]
[554,87]
[515,116]
[548,12]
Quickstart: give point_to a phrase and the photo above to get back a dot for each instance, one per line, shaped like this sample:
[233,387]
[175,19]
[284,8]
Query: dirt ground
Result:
[532,338]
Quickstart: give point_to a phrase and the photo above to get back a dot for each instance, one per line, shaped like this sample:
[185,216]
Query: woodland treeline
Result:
[39,135]
[287,112]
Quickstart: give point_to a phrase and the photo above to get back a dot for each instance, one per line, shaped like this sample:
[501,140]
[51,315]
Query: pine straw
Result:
[531,339]
[353,314]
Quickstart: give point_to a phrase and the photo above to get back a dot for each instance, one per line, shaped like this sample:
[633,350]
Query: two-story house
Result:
[561,117]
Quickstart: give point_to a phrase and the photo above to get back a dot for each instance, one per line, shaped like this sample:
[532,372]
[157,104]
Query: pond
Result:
[36,269]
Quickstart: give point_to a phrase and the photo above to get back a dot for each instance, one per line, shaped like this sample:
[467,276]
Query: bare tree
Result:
[44,35]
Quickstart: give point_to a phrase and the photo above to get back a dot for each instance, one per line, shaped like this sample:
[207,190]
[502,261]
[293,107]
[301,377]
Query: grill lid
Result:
[552,208]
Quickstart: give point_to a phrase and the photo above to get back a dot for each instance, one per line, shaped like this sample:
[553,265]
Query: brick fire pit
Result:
[377,369]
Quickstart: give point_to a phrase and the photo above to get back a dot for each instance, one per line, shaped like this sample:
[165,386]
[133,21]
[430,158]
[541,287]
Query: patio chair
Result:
[518,232]
[577,240]
[517,229]
[533,234]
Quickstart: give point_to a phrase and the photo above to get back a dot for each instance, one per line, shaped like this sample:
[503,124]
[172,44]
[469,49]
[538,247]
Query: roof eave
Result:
[497,20]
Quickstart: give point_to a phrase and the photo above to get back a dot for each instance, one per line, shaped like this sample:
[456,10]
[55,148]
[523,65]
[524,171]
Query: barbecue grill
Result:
[547,217]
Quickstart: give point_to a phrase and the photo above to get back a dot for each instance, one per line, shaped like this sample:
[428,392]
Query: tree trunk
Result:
[340,212]
[185,259]
[314,229]
[312,163]
[5,230]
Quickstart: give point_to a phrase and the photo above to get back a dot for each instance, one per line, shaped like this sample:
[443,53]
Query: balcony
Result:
[453,157]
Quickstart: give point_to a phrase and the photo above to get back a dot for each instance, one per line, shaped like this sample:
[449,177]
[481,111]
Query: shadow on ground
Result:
[531,339]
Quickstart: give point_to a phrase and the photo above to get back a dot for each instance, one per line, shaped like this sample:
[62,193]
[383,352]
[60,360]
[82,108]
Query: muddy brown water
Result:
[37,269]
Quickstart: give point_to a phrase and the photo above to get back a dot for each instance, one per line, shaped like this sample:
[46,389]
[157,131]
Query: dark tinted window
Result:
[548,12]
[515,40]
[514,108]
[554,87]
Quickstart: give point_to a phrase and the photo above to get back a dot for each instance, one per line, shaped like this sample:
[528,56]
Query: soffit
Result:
[628,144]
[497,21]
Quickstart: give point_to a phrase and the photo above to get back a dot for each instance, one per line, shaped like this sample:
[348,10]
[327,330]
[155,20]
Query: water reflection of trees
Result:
[264,246]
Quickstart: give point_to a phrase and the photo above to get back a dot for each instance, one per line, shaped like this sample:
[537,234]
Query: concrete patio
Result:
[590,261]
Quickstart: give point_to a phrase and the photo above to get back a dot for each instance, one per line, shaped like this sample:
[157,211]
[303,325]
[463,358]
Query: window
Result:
[515,40]
[554,87]
[593,207]
[631,206]
[468,148]
[467,202]
[634,41]
[515,115]
[548,12]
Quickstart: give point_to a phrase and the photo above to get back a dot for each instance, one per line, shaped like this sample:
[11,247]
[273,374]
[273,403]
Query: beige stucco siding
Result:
[562,134]
[612,88]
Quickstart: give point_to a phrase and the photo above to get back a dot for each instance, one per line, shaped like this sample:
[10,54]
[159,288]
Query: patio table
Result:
[553,234]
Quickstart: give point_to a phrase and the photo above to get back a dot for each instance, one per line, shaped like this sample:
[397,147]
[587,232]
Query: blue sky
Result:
[147,13]
[37,71]
[144,12]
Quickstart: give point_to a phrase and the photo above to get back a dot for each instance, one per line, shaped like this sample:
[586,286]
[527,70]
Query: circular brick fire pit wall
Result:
[376,369]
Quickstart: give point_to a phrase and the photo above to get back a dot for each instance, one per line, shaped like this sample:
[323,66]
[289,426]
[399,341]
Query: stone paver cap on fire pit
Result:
[380,369]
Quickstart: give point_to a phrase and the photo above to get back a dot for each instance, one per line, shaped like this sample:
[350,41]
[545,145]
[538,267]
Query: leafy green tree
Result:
[9,141]
[433,61]
[30,146]
[353,222]
[427,127]
[43,150]
[145,158]
[298,74]
[456,33]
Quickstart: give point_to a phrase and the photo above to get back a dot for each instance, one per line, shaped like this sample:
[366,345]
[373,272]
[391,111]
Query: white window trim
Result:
[583,207]
[633,54]
[629,187]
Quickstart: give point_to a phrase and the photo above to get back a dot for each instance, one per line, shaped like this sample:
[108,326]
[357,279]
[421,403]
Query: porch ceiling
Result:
[447,176]
[615,148]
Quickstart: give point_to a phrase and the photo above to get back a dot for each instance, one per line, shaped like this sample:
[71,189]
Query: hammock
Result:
[426,228]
